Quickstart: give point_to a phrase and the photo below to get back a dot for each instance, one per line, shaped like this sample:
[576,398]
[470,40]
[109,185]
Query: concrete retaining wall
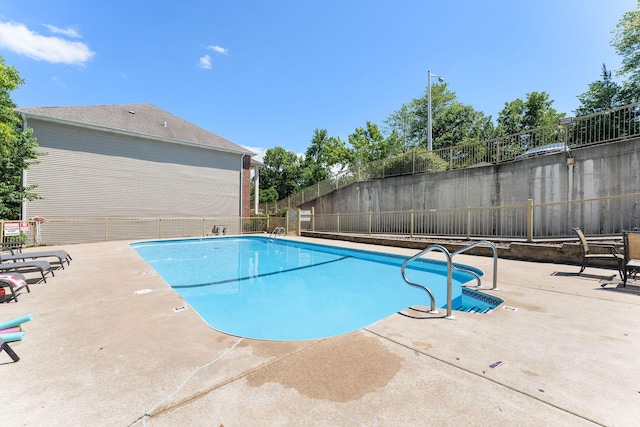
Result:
[584,173]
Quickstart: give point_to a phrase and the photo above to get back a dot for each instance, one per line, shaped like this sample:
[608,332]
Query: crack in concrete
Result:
[568,411]
[188,378]
[143,419]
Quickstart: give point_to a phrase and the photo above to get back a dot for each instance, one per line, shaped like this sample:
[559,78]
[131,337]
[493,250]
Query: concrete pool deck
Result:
[98,353]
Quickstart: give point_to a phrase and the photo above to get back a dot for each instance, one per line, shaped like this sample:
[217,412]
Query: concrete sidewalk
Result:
[99,353]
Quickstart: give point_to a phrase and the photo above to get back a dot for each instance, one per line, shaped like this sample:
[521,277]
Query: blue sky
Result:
[267,73]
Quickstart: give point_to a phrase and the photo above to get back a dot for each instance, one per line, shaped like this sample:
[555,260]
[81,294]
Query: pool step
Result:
[477,302]
[473,309]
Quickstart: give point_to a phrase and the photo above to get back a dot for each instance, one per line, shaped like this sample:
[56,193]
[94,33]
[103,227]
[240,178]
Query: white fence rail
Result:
[607,216]
[92,230]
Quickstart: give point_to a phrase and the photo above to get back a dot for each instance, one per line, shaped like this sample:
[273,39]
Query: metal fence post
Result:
[450,157]
[36,237]
[370,223]
[468,222]
[287,223]
[313,218]
[412,222]
[413,164]
[529,220]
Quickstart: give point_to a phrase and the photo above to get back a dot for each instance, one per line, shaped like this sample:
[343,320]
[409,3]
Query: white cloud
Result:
[58,81]
[260,152]
[205,62]
[219,49]
[69,32]
[20,39]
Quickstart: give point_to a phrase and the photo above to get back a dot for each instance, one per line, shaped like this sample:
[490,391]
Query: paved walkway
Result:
[97,353]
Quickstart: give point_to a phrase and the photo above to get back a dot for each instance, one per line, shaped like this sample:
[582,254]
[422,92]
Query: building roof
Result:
[137,119]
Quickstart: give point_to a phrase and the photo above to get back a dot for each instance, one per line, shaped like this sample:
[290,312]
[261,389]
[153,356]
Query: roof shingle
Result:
[145,119]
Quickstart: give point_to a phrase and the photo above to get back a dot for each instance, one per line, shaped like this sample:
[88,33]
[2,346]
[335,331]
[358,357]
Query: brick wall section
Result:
[246,186]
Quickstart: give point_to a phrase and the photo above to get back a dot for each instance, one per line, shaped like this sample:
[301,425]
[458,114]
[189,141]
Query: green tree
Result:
[626,41]
[603,94]
[461,124]
[441,100]
[453,122]
[268,195]
[415,160]
[401,122]
[368,145]
[281,171]
[519,116]
[18,148]
[324,154]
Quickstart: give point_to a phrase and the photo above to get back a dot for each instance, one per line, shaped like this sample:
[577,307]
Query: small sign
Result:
[11,228]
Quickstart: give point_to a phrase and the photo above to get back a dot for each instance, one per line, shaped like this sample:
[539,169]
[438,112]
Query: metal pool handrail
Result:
[495,261]
[450,267]
[432,248]
[277,232]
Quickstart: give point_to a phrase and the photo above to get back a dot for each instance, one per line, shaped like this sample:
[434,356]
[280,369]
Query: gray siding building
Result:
[132,160]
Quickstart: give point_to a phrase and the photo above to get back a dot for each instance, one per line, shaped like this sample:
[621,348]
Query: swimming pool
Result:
[278,289]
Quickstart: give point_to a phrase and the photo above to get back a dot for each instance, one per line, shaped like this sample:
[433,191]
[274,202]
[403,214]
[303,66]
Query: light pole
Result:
[429,133]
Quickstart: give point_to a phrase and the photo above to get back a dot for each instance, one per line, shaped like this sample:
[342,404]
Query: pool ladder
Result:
[278,231]
[450,267]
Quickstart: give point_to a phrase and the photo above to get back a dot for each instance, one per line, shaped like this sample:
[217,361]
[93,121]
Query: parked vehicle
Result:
[556,147]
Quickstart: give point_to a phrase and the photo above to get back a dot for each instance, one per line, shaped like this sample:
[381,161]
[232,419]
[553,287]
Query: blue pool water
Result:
[276,289]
